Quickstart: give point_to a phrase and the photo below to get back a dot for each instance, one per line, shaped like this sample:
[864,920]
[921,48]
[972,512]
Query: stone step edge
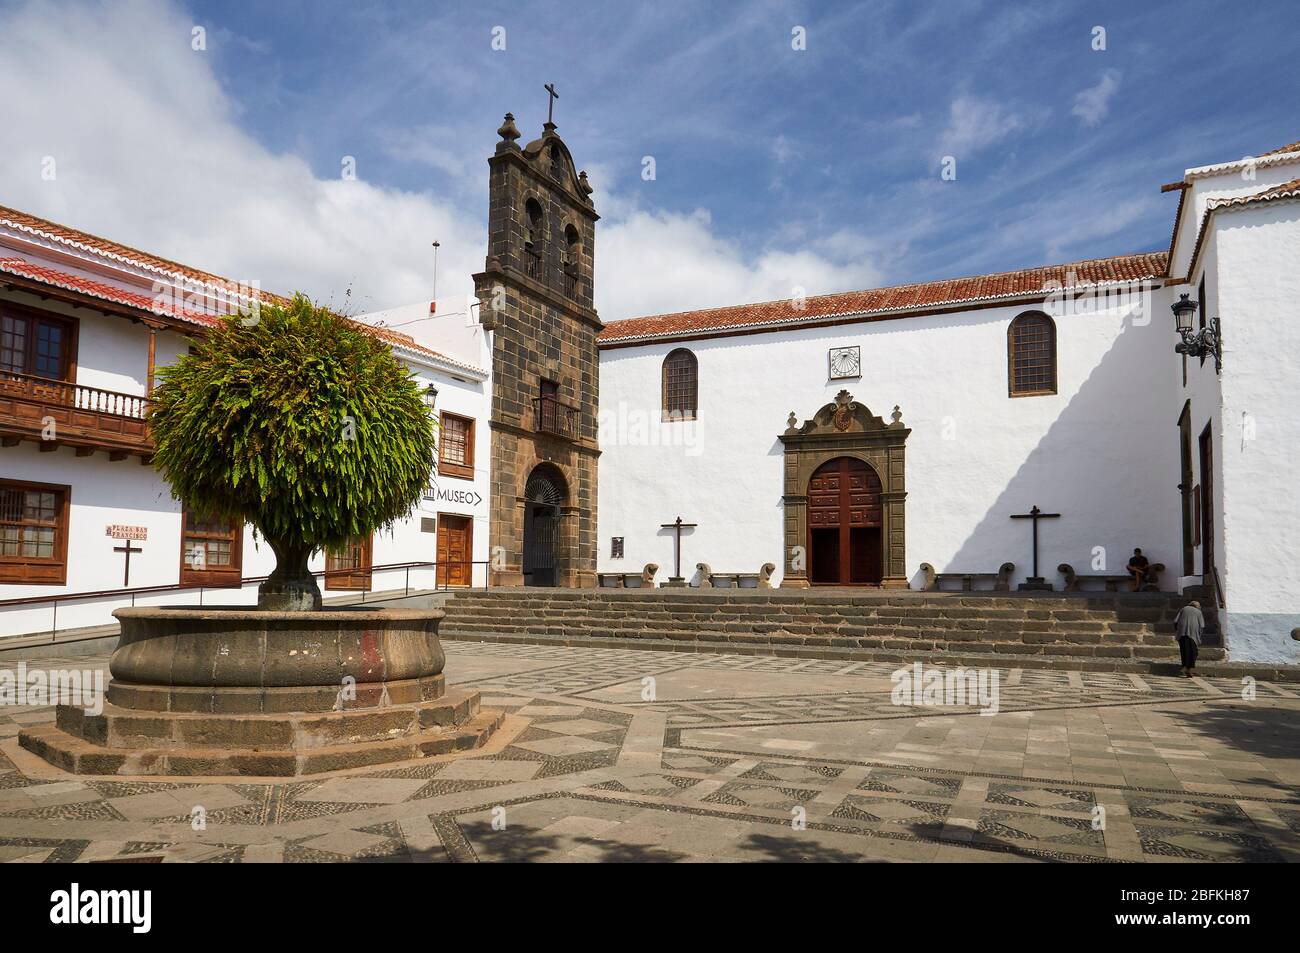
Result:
[1031,642]
[121,728]
[996,659]
[77,756]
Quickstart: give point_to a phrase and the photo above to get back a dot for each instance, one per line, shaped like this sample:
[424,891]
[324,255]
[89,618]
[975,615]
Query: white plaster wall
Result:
[126,492]
[1102,452]
[1258,273]
[1228,184]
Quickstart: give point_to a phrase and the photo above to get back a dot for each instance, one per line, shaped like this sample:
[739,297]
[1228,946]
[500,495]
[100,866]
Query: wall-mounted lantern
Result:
[1199,343]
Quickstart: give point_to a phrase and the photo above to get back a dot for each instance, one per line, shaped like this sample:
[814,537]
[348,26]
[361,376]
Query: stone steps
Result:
[79,756]
[117,727]
[1096,647]
[1089,626]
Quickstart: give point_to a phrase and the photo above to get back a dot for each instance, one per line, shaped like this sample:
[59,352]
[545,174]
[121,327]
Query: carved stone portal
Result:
[845,428]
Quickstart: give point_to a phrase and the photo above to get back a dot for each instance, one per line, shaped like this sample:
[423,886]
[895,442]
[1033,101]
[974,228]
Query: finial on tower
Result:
[508,131]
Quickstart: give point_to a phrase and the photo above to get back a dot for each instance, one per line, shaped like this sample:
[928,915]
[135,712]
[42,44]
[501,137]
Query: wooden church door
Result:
[844,524]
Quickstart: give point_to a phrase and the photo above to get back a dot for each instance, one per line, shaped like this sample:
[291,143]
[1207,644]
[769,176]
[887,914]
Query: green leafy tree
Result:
[300,423]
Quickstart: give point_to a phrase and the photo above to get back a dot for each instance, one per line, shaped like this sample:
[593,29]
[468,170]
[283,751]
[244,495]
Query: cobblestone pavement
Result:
[736,758]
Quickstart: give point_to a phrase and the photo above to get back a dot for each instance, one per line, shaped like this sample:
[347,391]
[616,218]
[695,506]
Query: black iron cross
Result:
[1035,514]
[550,103]
[677,525]
[126,549]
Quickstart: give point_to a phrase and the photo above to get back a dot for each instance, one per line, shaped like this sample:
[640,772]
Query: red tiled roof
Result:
[881,303]
[1284,190]
[72,236]
[98,289]
[1293,147]
[125,253]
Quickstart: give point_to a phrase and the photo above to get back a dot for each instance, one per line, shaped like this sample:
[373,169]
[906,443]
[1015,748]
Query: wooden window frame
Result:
[359,578]
[215,577]
[30,571]
[72,327]
[1013,390]
[465,470]
[669,414]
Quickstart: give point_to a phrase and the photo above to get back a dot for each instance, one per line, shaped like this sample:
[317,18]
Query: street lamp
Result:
[1202,342]
[430,396]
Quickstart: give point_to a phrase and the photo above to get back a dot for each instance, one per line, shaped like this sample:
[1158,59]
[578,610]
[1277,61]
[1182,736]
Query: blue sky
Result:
[774,167]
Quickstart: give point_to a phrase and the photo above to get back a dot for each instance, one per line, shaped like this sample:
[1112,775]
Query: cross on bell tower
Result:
[550,103]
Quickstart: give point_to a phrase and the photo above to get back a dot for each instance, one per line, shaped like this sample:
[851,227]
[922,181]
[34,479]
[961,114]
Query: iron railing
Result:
[441,583]
[554,417]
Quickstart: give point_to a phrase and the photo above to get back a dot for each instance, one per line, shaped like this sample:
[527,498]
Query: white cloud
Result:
[1092,104]
[149,152]
[657,262]
[975,124]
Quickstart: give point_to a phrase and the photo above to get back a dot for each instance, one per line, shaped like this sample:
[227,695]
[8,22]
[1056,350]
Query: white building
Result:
[85,324]
[847,439]
[1010,394]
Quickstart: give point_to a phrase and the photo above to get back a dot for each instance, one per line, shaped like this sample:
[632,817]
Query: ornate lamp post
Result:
[1198,344]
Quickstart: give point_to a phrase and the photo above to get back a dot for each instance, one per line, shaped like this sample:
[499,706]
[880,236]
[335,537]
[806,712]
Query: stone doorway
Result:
[544,496]
[848,440]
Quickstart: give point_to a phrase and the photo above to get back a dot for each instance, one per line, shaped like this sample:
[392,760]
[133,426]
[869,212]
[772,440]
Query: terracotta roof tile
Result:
[881,303]
[1293,147]
[98,289]
[125,253]
[102,246]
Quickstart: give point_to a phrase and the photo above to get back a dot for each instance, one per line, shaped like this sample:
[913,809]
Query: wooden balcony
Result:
[555,418]
[84,417]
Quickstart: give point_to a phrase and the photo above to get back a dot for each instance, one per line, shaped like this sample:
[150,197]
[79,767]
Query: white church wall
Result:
[1237,180]
[1204,393]
[1098,452]
[1259,283]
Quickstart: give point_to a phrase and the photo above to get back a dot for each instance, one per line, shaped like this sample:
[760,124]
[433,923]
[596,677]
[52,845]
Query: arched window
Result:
[533,241]
[1031,355]
[680,385]
[572,258]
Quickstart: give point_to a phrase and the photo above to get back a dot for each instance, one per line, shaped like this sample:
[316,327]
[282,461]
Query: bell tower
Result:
[535,297]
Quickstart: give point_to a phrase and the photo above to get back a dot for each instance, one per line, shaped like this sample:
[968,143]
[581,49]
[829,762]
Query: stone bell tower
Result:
[535,296]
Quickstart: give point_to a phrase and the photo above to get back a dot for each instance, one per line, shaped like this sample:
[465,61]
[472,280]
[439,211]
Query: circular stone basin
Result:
[238,647]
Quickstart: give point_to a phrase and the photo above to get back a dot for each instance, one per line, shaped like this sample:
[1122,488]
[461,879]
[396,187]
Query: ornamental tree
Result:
[300,423]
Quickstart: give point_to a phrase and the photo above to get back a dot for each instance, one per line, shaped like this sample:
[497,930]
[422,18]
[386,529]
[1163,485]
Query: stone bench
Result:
[1112,581]
[645,579]
[735,580]
[934,580]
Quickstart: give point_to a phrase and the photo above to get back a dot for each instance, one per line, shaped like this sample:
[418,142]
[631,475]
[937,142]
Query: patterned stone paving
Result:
[621,755]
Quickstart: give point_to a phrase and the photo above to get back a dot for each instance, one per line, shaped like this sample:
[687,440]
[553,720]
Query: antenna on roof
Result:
[433,305]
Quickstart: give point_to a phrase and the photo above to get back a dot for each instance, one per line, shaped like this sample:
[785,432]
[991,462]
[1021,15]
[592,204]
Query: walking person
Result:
[1189,625]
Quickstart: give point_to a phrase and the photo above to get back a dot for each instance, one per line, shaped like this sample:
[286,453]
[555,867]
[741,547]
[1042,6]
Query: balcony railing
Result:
[572,284]
[84,416]
[533,264]
[554,417]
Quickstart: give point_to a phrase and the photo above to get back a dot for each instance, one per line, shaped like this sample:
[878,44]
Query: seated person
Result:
[1137,568]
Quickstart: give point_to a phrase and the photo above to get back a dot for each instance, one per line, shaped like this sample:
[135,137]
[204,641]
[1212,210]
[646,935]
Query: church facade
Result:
[874,437]
[1038,420]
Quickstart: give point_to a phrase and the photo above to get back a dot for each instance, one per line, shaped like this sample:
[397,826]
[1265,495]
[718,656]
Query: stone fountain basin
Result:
[172,658]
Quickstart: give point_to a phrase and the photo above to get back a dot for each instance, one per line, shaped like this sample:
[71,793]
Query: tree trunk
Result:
[291,588]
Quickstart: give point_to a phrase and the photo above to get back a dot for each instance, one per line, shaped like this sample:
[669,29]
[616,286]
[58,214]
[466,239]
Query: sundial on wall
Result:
[845,362]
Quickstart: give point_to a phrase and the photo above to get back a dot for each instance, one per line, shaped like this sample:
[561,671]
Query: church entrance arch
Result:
[544,495]
[844,497]
[844,524]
